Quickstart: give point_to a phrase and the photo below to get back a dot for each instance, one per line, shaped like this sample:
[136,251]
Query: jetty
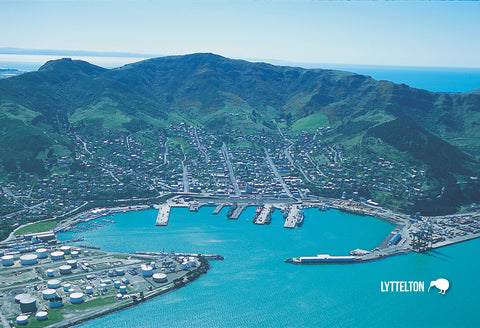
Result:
[218,209]
[194,206]
[263,216]
[291,220]
[237,211]
[163,215]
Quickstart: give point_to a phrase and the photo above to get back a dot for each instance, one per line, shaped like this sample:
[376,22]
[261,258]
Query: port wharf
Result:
[403,239]
[407,236]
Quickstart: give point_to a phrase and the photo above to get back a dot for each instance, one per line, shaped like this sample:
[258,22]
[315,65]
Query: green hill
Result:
[39,109]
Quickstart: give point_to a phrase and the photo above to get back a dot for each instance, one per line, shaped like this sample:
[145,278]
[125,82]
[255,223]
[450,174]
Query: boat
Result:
[300,217]
[269,218]
[231,210]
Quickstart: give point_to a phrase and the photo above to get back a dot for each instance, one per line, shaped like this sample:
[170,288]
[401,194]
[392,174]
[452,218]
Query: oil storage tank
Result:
[53,284]
[41,315]
[57,255]
[65,269]
[41,253]
[76,298]
[22,320]
[66,249]
[28,304]
[55,303]
[160,277]
[7,260]
[48,294]
[72,263]
[147,271]
[29,259]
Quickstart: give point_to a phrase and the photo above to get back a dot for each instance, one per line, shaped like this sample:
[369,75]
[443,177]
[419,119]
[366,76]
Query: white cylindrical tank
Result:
[72,263]
[76,298]
[54,283]
[89,290]
[48,294]
[120,272]
[66,287]
[184,265]
[19,297]
[103,287]
[7,260]
[123,289]
[41,253]
[71,291]
[29,259]
[50,273]
[41,315]
[116,284]
[65,269]
[191,263]
[57,255]
[22,320]
[86,252]
[28,304]
[125,281]
[153,265]
[147,271]
[55,302]
[66,249]
[74,254]
[160,277]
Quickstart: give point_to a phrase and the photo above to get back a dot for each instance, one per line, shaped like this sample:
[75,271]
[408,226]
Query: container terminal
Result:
[50,284]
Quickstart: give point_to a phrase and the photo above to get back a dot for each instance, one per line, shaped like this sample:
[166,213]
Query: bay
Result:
[254,287]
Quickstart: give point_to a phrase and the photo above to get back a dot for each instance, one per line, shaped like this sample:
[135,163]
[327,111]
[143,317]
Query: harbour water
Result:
[253,287]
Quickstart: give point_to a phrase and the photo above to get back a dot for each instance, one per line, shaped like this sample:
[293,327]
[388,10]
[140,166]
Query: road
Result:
[165,153]
[288,154]
[85,146]
[200,147]
[230,169]
[277,174]
[186,187]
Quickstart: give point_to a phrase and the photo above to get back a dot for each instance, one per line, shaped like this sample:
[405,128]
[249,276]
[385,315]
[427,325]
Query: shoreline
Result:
[122,306]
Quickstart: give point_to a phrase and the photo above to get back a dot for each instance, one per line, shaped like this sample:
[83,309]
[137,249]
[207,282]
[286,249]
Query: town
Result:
[138,168]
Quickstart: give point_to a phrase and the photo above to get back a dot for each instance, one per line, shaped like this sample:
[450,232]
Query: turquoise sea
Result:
[253,287]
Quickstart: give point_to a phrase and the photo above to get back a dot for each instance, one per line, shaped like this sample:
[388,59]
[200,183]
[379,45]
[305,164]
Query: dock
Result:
[163,215]
[291,220]
[236,213]
[194,206]
[218,209]
[263,216]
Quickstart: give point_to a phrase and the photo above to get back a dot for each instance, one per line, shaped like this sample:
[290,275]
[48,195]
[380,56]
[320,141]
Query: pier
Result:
[163,215]
[291,219]
[236,213]
[262,218]
[218,209]
[194,206]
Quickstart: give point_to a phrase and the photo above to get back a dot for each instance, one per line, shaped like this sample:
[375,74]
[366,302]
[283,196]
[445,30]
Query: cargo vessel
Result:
[321,259]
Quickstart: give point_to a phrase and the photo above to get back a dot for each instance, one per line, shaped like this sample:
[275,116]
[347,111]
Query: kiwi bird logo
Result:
[441,284]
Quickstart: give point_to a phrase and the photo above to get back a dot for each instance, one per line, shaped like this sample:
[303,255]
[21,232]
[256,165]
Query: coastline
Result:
[107,309]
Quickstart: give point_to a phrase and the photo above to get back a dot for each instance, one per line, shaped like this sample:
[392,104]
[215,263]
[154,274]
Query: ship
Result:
[300,217]
[321,259]
[231,210]
[268,219]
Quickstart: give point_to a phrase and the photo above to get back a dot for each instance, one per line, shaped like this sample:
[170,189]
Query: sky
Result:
[394,33]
